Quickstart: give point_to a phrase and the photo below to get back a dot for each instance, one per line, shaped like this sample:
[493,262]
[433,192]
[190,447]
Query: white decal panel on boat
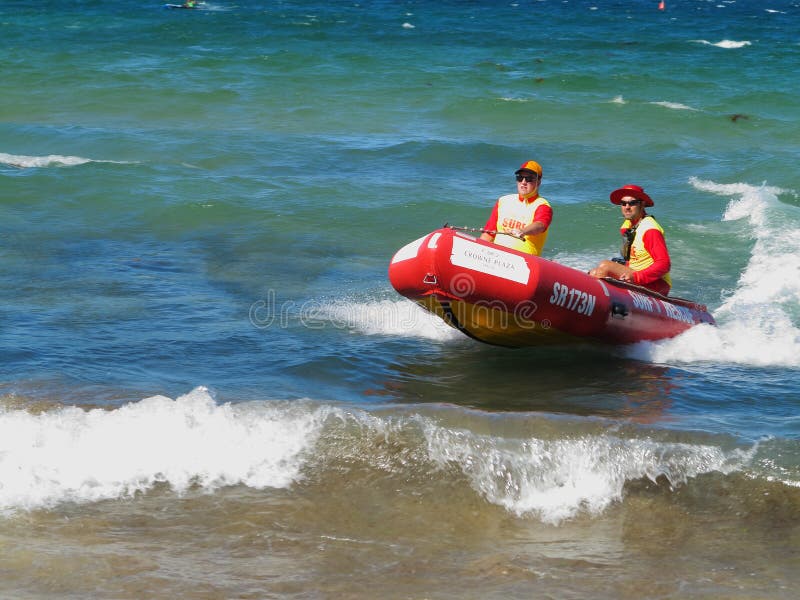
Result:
[491,261]
[408,251]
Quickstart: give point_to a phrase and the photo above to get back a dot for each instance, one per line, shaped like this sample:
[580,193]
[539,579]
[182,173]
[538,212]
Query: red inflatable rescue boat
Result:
[508,298]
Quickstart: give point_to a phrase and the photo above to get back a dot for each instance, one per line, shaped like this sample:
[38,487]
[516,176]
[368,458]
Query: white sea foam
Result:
[582,261]
[673,105]
[214,7]
[400,317]
[75,455]
[51,160]
[83,456]
[561,478]
[727,44]
[758,320]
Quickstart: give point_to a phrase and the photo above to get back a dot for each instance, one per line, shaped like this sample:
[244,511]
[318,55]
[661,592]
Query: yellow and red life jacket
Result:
[640,258]
[515,213]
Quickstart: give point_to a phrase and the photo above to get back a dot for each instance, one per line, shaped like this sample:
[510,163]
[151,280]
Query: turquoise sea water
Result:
[209,389]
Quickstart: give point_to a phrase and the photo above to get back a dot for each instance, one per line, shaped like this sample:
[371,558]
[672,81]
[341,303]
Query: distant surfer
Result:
[644,251]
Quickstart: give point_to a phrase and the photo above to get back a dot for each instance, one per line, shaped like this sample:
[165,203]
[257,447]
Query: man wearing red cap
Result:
[520,221]
[644,249]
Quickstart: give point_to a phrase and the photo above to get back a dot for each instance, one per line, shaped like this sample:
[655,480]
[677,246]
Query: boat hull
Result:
[507,298]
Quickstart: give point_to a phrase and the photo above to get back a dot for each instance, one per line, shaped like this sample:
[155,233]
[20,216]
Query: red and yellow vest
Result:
[515,214]
[640,258]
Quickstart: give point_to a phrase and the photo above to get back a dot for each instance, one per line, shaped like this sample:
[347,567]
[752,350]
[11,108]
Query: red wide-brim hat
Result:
[634,191]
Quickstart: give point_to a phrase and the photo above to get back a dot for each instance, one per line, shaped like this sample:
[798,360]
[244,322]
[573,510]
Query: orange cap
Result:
[530,165]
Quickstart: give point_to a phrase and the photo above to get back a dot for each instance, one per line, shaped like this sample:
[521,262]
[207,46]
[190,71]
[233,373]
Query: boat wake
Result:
[758,323]
[400,317]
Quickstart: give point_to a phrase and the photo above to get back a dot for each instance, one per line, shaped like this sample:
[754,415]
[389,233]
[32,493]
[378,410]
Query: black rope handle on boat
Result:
[479,230]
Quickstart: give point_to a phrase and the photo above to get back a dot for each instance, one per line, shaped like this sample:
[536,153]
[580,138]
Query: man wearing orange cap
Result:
[520,221]
[644,249]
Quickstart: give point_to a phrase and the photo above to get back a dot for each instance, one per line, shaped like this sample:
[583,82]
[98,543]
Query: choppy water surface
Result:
[208,388]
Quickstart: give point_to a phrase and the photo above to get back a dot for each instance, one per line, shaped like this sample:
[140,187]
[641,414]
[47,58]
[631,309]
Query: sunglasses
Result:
[630,203]
[528,178]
